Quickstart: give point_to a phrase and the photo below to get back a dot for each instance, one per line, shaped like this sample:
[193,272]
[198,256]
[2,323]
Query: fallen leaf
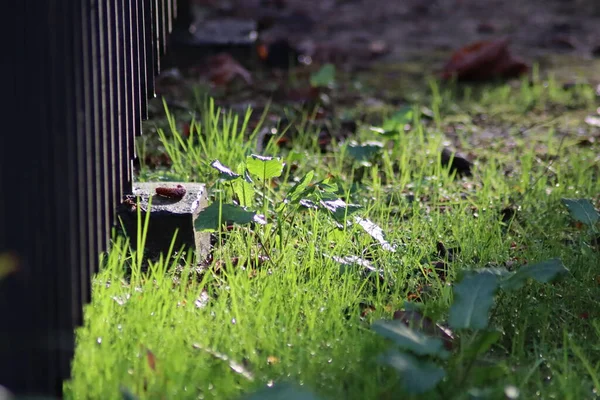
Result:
[278,54]
[151,358]
[366,309]
[457,162]
[564,42]
[441,269]
[378,48]
[376,233]
[486,27]
[302,95]
[234,365]
[223,69]
[171,192]
[202,300]
[593,121]
[484,60]
[444,252]
[416,320]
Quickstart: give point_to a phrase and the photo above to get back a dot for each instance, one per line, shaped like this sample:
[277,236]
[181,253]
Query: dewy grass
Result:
[304,317]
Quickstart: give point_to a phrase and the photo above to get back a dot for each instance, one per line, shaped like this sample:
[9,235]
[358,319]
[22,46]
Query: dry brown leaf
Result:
[223,69]
[484,60]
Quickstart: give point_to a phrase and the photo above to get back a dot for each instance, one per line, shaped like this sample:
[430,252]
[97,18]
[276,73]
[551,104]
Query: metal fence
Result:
[76,78]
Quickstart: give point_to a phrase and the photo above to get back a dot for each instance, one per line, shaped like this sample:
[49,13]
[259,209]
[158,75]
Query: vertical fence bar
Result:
[80,74]
[132,98]
[136,66]
[139,41]
[150,43]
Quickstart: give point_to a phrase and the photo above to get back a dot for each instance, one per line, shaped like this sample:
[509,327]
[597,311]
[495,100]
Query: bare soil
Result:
[410,27]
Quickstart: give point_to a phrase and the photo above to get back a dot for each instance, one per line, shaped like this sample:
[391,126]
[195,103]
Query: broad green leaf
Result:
[244,191]
[383,132]
[328,185]
[208,219]
[324,77]
[299,188]
[399,119]
[376,232]
[410,339]
[282,392]
[418,376]
[307,203]
[395,124]
[582,210]
[339,209]
[364,152]
[264,167]
[542,272]
[473,298]
[482,343]
[224,172]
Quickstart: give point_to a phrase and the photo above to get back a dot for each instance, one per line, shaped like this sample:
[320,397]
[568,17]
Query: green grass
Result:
[302,317]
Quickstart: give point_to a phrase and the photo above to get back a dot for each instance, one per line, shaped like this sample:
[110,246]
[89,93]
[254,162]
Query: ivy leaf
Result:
[473,298]
[264,167]
[324,77]
[208,219]
[582,210]
[299,188]
[224,172]
[410,339]
[543,272]
[418,376]
[282,392]
[376,233]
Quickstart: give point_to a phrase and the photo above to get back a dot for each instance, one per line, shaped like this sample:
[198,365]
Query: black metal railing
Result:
[77,76]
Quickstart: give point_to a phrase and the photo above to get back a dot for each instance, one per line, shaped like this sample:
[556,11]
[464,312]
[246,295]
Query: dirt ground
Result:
[354,29]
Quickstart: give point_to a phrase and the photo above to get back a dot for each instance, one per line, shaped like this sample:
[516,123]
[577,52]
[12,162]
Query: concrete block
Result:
[169,212]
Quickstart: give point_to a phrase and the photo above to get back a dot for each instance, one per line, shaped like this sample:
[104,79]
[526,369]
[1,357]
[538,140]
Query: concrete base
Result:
[167,216]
